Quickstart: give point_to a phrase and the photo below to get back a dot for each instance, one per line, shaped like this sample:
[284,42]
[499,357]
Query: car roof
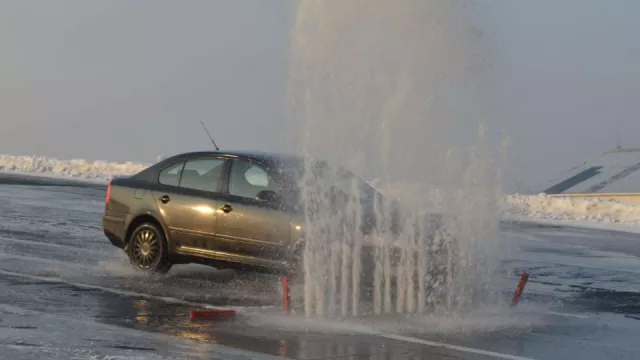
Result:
[269,158]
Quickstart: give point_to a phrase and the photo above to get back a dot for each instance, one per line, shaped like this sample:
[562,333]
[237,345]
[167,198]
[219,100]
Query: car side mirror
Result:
[268,196]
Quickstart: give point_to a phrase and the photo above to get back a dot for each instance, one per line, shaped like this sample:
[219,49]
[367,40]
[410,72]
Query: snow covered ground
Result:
[533,208]
[573,208]
[573,211]
[76,168]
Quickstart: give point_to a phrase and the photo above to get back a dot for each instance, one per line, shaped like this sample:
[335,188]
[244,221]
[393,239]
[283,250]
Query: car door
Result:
[253,227]
[188,197]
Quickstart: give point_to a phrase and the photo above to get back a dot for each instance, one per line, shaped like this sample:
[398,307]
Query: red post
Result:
[285,294]
[519,289]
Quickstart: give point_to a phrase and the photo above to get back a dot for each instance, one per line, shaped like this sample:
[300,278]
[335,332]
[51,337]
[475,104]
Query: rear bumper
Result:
[115,241]
[114,230]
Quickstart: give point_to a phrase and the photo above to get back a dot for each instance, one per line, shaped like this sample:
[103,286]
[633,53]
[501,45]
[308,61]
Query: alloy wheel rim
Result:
[146,248]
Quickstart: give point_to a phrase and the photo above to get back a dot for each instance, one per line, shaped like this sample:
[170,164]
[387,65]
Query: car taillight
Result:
[108,198]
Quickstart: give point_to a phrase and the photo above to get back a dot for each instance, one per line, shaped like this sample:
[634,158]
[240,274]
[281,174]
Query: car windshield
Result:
[322,174]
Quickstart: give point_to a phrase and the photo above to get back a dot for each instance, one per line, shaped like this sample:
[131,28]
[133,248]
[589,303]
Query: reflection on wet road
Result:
[67,293]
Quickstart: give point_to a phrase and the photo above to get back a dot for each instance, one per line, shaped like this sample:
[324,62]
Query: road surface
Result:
[66,293]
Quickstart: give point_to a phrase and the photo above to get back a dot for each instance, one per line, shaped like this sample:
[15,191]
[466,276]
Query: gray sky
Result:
[130,80]
[568,80]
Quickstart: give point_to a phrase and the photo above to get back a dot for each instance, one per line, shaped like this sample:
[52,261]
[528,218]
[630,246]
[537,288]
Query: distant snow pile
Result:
[543,208]
[533,207]
[75,168]
[546,207]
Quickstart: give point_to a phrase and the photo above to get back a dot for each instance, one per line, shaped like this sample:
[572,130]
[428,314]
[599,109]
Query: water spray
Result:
[381,80]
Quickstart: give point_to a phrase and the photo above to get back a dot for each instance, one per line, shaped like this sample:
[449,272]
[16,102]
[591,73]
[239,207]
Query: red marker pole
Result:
[519,289]
[285,294]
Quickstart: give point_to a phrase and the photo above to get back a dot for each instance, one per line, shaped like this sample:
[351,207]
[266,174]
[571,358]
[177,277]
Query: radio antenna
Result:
[210,138]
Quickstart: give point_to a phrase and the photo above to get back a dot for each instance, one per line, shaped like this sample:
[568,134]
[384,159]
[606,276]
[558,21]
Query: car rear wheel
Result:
[147,249]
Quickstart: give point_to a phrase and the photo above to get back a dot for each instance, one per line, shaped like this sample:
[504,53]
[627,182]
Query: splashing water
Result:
[377,86]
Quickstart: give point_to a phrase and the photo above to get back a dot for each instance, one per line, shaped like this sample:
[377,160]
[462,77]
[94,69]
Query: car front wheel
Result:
[148,249]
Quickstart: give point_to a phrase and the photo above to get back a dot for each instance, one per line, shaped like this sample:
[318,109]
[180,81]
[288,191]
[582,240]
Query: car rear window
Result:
[171,175]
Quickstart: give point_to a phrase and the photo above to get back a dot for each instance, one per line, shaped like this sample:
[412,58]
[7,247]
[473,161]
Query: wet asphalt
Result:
[66,293]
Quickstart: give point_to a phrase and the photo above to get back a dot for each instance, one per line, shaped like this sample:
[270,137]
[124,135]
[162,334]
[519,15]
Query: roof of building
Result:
[615,171]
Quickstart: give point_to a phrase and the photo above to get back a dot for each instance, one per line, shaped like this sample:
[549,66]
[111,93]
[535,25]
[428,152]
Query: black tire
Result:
[148,249]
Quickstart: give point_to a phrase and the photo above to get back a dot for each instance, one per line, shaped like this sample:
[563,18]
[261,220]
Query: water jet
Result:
[372,88]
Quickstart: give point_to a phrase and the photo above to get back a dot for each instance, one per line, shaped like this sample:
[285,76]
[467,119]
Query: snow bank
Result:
[76,168]
[544,207]
[538,208]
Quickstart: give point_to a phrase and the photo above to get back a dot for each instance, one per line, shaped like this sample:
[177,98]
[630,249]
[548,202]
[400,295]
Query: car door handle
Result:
[226,208]
[165,199]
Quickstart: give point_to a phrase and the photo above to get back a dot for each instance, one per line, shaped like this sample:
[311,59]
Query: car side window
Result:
[248,179]
[171,175]
[202,174]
